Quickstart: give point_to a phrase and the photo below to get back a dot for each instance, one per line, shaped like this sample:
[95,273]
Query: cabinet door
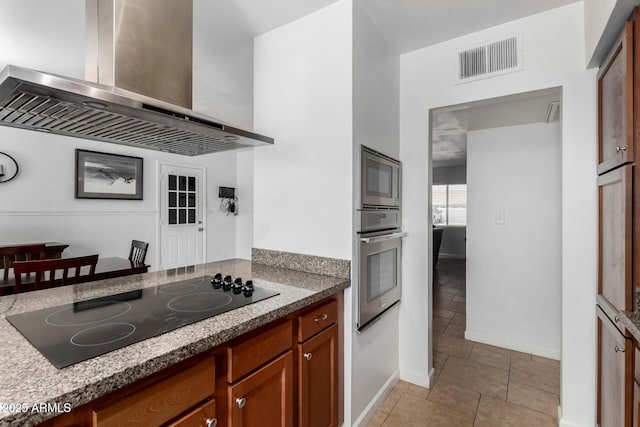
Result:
[202,416]
[615,104]
[318,380]
[264,398]
[615,381]
[615,239]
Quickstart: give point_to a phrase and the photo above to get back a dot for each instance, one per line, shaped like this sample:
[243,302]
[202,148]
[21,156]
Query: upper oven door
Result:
[380,180]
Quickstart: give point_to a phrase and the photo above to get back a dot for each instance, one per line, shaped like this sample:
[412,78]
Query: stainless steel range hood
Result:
[45,102]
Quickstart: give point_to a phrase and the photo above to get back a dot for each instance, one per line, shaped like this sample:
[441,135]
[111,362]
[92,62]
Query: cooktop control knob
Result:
[248,288]
[216,281]
[237,286]
[226,285]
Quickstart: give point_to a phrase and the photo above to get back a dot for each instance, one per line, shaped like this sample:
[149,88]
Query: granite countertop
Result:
[27,378]
[631,322]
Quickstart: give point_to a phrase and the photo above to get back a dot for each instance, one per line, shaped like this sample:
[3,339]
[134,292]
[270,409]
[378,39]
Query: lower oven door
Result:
[380,275]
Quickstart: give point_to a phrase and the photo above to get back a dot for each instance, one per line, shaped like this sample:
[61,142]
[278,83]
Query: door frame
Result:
[203,210]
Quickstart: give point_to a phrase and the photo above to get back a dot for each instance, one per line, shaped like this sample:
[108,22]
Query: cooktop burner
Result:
[71,333]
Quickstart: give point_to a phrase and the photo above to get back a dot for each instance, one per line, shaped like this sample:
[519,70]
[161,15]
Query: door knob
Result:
[308,356]
[241,402]
[200,228]
[211,422]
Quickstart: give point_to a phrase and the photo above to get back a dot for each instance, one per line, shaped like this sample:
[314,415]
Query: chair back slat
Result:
[138,251]
[53,266]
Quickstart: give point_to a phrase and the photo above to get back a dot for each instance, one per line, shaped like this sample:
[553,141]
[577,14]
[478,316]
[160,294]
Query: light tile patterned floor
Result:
[476,384]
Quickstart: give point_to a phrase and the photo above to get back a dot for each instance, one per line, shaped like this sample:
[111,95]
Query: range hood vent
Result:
[115,109]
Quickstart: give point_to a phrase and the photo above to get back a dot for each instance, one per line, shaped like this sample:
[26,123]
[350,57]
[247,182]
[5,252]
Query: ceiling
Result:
[450,124]
[406,24]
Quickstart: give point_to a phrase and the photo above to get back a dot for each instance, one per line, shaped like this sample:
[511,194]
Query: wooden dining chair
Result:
[138,251]
[52,272]
[10,254]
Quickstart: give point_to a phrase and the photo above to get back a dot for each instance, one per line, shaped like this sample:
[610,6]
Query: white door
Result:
[181,216]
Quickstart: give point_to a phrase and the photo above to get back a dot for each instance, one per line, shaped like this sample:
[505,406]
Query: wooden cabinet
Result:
[615,384]
[265,397]
[615,236]
[202,416]
[318,380]
[318,366]
[615,104]
[619,230]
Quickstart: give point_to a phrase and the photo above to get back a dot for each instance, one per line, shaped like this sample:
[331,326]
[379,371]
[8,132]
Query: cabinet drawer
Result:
[161,401]
[254,352]
[316,320]
[202,416]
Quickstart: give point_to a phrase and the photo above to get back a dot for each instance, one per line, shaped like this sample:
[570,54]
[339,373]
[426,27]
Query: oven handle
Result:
[383,237]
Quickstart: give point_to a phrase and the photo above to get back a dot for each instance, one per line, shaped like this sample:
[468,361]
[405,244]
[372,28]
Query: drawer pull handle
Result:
[323,317]
[616,319]
[619,350]
[308,356]
[619,149]
[211,422]
[241,402]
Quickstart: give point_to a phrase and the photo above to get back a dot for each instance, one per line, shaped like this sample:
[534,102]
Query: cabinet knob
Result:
[616,319]
[241,402]
[308,356]
[321,318]
[211,422]
[619,149]
[619,350]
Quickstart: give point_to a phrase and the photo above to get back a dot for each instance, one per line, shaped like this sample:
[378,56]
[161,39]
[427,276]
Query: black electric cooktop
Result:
[71,333]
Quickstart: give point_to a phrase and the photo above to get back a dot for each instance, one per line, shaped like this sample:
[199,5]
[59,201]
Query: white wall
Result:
[50,37]
[302,185]
[553,56]
[376,84]
[514,269]
[596,15]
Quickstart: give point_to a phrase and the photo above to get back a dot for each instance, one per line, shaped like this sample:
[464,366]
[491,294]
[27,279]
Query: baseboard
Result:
[377,400]
[550,353]
[414,378]
[564,423]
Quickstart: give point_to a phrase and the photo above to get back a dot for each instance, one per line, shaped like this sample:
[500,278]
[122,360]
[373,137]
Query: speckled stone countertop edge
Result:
[90,391]
[631,321]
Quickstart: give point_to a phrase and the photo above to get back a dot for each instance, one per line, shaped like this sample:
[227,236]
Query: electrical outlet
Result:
[500,217]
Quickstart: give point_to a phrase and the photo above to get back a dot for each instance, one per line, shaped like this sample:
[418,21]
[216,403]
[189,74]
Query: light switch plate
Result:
[500,217]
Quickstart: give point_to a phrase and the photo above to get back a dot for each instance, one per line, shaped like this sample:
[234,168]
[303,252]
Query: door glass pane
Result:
[182,183]
[172,216]
[381,273]
[182,216]
[172,199]
[379,179]
[173,182]
[192,183]
[192,200]
[192,216]
[182,200]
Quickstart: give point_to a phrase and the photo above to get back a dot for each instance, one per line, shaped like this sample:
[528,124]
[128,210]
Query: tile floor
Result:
[476,384]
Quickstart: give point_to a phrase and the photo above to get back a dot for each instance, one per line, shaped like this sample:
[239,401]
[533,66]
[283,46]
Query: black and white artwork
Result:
[108,176]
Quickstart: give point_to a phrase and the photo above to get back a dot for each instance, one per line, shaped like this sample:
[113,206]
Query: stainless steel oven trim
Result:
[383,238]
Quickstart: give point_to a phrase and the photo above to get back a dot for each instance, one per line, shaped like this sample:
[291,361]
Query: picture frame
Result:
[108,176]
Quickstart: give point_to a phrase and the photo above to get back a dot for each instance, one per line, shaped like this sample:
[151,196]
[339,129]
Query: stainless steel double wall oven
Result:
[378,226]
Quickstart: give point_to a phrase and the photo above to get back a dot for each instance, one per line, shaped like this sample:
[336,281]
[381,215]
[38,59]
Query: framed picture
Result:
[108,176]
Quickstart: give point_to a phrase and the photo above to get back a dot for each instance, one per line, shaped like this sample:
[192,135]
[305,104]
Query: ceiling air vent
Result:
[489,60]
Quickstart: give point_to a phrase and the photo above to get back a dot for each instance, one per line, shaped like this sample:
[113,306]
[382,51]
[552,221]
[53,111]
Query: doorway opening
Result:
[495,195]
